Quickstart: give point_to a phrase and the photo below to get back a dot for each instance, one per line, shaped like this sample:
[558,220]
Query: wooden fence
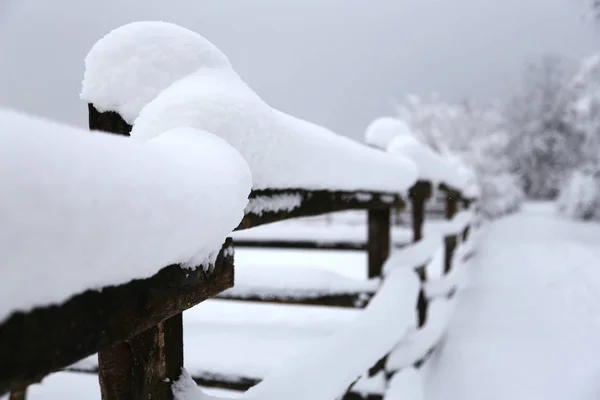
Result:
[137,328]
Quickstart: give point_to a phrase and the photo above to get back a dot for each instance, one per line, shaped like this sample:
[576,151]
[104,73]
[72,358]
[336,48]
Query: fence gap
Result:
[379,238]
[144,366]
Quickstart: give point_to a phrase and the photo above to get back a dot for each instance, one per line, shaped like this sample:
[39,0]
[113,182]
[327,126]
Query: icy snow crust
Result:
[83,210]
[282,151]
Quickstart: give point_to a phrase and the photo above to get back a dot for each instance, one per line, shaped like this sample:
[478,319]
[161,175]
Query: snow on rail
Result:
[406,384]
[328,368]
[88,209]
[149,85]
[295,282]
[395,137]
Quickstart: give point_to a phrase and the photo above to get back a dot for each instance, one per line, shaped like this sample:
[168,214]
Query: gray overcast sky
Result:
[335,62]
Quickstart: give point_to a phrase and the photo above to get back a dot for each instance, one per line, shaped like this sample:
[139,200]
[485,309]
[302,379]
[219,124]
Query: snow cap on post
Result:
[129,66]
[381,131]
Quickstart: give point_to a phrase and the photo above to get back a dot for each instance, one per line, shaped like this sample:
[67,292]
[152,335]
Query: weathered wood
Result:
[379,235]
[47,339]
[144,366]
[418,195]
[109,121]
[344,300]
[18,395]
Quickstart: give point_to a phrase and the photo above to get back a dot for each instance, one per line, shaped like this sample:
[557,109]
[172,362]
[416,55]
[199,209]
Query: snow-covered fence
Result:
[103,239]
[155,81]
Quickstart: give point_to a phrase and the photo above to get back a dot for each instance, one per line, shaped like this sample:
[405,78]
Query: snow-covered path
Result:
[528,325]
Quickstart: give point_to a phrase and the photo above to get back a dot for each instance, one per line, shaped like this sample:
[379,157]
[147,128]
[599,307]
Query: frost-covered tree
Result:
[544,145]
[478,136]
[580,193]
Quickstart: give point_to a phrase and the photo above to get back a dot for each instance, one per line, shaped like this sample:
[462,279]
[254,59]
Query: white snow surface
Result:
[281,202]
[83,210]
[406,384]
[381,131]
[328,368]
[256,280]
[528,325]
[131,64]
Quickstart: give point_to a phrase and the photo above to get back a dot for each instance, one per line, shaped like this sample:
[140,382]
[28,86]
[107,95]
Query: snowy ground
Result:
[527,326]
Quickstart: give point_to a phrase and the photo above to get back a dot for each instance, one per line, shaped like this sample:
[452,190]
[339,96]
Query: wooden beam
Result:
[47,339]
[379,232]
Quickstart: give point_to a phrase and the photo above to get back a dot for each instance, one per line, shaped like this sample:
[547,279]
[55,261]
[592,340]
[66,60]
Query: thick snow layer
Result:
[458,223]
[414,255]
[133,63]
[328,368]
[282,151]
[370,385]
[456,278]
[293,282]
[528,325]
[381,131]
[415,346]
[432,167]
[406,384]
[161,76]
[82,210]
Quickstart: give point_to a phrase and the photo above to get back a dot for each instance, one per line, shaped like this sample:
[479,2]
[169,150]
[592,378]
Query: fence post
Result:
[467,206]
[450,241]
[419,194]
[378,244]
[142,367]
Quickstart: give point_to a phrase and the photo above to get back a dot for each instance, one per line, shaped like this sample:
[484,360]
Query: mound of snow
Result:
[381,131]
[83,210]
[432,167]
[146,68]
[132,64]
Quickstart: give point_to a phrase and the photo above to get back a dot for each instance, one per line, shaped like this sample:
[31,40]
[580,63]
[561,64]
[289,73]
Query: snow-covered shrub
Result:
[500,195]
[580,196]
